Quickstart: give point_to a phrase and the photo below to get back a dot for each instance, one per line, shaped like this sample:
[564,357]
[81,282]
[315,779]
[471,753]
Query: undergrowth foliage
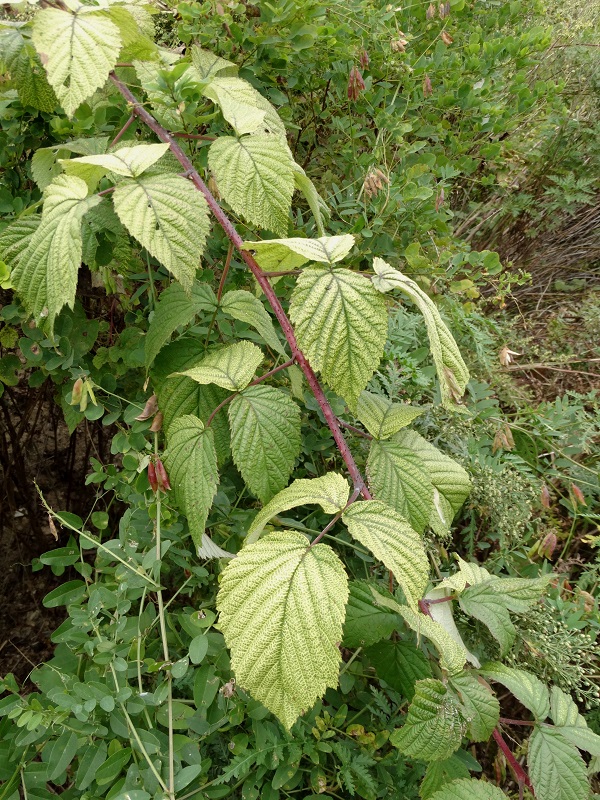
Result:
[226,372]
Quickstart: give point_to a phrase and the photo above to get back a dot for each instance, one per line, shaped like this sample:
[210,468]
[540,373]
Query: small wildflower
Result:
[446,38]
[356,84]
[444,9]
[430,13]
[364,59]
[374,181]
[399,45]
[427,87]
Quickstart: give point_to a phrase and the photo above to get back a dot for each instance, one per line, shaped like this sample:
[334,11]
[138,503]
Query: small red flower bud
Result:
[578,495]
[356,84]
[364,59]
[427,87]
[548,545]
[152,477]
[162,477]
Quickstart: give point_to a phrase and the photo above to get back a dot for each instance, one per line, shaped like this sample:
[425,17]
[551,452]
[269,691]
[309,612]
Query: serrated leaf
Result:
[481,707]
[175,308]
[265,438]
[563,710]
[366,623]
[330,491]
[275,255]
[434,725]
[78,50]
[137,31]
[16,238]
[399,664]
[150,76]
[469,789]
[469,574]
[242,305]
[19,58]
[439,773]
[452,654]
[208,64]
[191,462]
[281,607]
[237,100]
[382,417]
[452,372]
[45,166]
[451,482]
[317,205]
[443,613]
[208,549]
[484,604]
[392,540]
[232,367]
[341,325]
[556,769]
[528,689]
[45,276]
[398,476]
[168,217]
[254,175]
[128,161]
[583,738]
[519,594]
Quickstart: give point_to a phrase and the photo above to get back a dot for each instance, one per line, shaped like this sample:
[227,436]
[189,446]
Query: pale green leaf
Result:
[237,100]
[191,462]
[317,205]
[175,308]
[254,175]
[16,238]
[275,255]
[452,372]
[341,325]
[583,738]
[136,29]
[519,594]
[528,689]
[127,161]
[484,604]
[78,50]
[481,706]
[556,769]
[149,74]
[434,725]
[382,417]
[169,217]
[398,476]
[244,306]
[208,549]
[281,607]
[452,654]
[400,664]
[469,789]
[208,64]
[563,710]
[367,621]
[45,276]
[45,164]
[469,574]
[231,367]
[265,438]
[392,540]
[443,613]
[330,491]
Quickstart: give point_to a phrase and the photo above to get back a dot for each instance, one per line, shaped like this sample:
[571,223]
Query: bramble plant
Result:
[215,373]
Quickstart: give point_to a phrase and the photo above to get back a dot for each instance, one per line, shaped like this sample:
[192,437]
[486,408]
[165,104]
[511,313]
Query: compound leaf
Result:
[281,607]
[168,217]
[78,50]
[231,367]
[382,417]
[254,175]
[391,539]
[330,491]
[482,709]
[244,306]
[341,325]
[265,438]
[192,464]
[434,725]
[528,689]
[556,769]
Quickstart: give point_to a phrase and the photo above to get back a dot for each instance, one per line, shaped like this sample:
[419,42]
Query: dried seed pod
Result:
[77,392]
[162,477]
[364,59]
[152,479]
[446,38]
[374,181]
[578,495]
[548,545]
[427,87]
[439,200]
[545,496]
[150,409]
[356,84]
[430,13]
[157,422]
[399,45]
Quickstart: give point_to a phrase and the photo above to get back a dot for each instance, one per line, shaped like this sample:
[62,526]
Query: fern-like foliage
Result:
[265,438]
[341,325]
[281,607]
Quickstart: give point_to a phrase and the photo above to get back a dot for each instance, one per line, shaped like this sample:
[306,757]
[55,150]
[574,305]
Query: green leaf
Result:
[519,594]
[391,539]
[452,654]
[198,648]
[563,710]
[92,758]
[583,738]
[45,276]
[398,476]
[481,707]
[330,491]
[244,306]
[444,614]
[315,202]
[281,607]
[59,754]
[484,604]
[434,725]
[254,175]
[439,773]
[169,217]
[128,161]
[452,372]
[78,49]
[113,766]
[366,623]
[451,482]
[381,417]
[16,238]
[192,465]
[208,64]
[469,574]
[399,664]
[20,59]
[237,101]
[175,308]
[265,438]
[528,689]
[469,789]
[231,367]
[556,769]
[45,164]
[341,325]
[275,255]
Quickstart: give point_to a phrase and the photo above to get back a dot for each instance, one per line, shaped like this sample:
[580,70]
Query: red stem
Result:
[224,274]
[199,136]
[122,131]
[520,774]
[263,282]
